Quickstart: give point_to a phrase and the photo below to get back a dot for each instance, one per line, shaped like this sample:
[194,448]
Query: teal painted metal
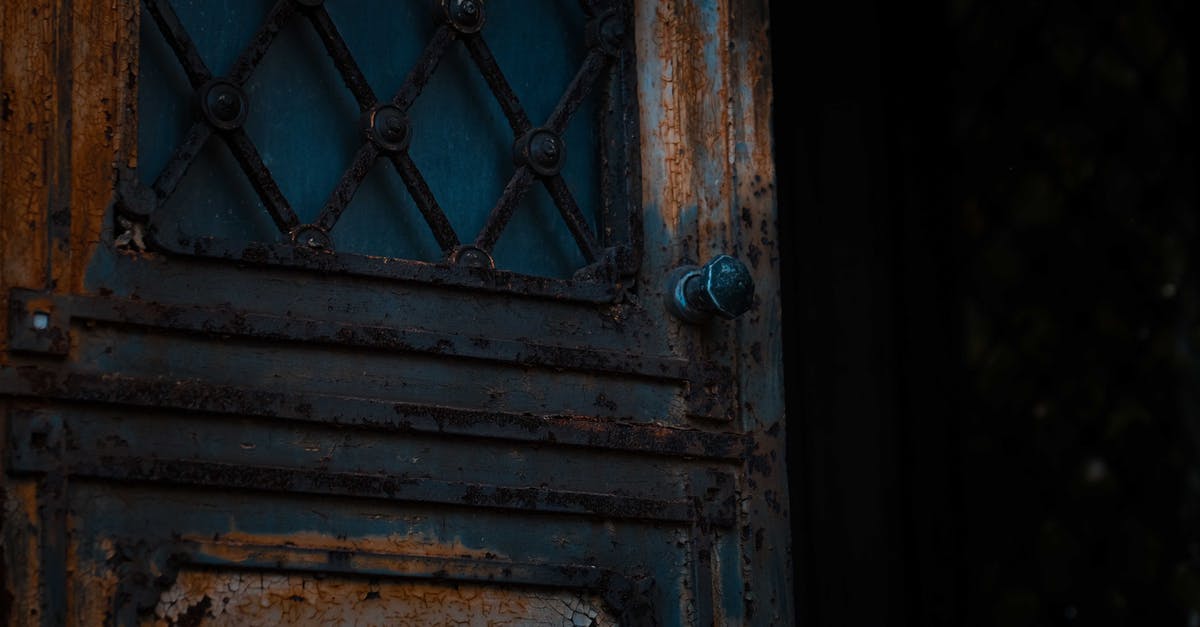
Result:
[306,124]
[201,414]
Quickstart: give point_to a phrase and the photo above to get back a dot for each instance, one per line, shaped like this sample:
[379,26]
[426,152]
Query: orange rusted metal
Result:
[310,447]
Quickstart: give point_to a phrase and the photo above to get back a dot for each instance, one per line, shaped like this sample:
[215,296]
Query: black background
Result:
[992,315]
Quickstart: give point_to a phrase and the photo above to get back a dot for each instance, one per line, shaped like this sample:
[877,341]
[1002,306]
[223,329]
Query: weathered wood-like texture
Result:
[195,424]
[708,184]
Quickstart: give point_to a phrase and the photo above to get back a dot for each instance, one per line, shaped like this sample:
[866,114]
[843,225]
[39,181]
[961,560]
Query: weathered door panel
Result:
[209,419]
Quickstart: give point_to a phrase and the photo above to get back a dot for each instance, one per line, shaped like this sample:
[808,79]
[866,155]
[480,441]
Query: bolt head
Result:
[473,257]
[541,149]
[544,149]
[728,286]
[612,31]
[607,31]
[388,127]
[466,16]
[223,104]
[312,236]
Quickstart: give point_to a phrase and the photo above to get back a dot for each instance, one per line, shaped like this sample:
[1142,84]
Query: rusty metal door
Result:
[334,312]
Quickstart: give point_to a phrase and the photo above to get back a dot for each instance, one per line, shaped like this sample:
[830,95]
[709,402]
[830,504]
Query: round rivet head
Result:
[223,104]
[388,127]
[607,31]
[472,257]
[466,16]
[312,236]
[542,150]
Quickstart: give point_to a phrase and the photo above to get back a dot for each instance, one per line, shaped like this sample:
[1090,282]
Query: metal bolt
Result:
[223,104]
[542,150]
[393,128]
[388,127]
[473,257]
[606,31]
[41,321]
[465,15]
[312,236]
[723,286]
[226,107]
[612,31]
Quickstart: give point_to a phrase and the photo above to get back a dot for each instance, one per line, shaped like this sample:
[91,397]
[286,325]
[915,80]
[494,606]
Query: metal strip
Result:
[347,185]
[573,217]
[260,178]
[263,38]
[221,321]
[556,430]
[216,554]
[505,96]
[581,85]
[443,231]
[187,472]
[170,239]
[336,46]
[180,42]
[505,206]
[181,159]
[419,75]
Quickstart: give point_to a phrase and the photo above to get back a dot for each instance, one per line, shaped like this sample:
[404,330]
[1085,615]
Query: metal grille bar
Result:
[538,151]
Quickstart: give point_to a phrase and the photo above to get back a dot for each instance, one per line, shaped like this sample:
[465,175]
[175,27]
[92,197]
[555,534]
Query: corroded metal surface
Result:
[216,598]
[178,425]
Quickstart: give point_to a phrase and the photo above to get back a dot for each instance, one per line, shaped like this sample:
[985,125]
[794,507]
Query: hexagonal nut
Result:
[726,286]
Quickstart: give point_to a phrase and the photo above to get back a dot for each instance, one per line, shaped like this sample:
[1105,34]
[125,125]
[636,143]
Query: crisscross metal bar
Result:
[419,75]
[263,38]
[482,55]
[260,178]
[336,46]
[443,232]
[346,187]
[597,61]
[180,42]
[581,85]
[503,211]
[573,216]
[182,159]
[414,83]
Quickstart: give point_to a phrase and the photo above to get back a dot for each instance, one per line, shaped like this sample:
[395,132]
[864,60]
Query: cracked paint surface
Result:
[249,598]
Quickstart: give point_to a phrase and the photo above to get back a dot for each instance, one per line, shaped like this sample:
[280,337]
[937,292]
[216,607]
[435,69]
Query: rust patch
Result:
[94,585]
[250,598]
[393,543]
[27,74]
[103,94]
[18,530]
[690,122]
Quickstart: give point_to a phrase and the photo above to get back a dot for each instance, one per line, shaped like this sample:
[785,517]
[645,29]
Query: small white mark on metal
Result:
[41,320]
